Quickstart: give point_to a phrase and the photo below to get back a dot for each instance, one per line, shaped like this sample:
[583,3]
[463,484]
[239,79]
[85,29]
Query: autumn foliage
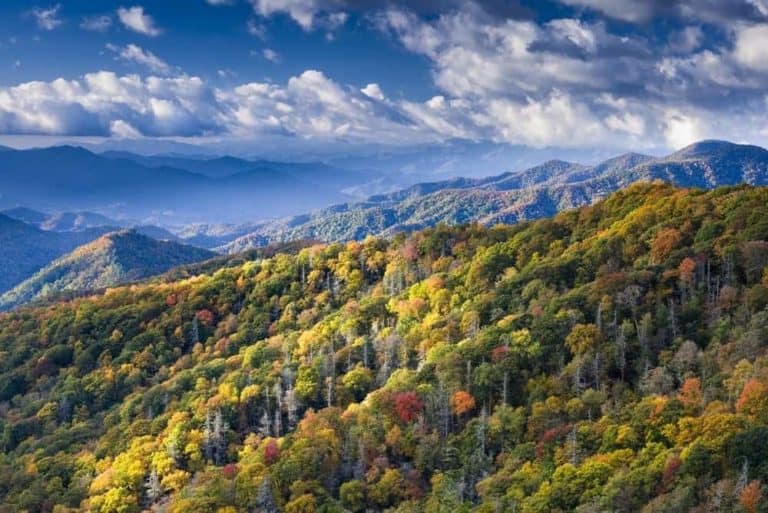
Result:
[462,402]
[408,406]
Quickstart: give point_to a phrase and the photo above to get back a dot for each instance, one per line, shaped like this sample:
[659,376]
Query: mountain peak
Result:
[114,258]
[713,148]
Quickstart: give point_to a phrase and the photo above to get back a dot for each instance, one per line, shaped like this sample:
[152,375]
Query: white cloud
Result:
[373,91]
[47,19]
[153,106]
[270,55]
[574,83]
[309,14]
[122,130]
[136,54]
[751,47]
[566,82]
[682,129]
[96,23]
[135,19]
[626,10]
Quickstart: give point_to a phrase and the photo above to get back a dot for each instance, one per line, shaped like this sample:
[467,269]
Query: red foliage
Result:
[408,406]
[549,436]
[271,452]
[205,316]
[669,473]
[229,471]
[171,300]
[498,354]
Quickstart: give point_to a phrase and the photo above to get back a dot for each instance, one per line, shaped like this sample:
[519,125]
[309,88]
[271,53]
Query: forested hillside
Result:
[613,358]
[511,197]
[113,259]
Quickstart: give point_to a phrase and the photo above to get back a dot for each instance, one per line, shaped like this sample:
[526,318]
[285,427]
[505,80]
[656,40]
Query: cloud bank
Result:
[576,81]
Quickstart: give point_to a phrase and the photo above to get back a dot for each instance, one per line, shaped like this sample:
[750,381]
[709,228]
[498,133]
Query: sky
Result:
[579,74]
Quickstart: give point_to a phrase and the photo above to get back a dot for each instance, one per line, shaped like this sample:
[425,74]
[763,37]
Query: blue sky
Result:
[568,73]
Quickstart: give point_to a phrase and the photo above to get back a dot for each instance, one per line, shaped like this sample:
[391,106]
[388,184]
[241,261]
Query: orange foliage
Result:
[690,393]
[750,497]
[462,402]
[752,395]
[665,242]
[687,268]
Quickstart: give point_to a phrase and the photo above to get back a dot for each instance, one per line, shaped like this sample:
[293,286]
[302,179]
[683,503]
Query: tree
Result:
[750,497]
[408,406]
[352,495]
[583,339]
[265,500]
[214,437]
[152,487]
[462,402]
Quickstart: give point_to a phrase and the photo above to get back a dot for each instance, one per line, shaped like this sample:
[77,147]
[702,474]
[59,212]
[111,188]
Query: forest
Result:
[613,358]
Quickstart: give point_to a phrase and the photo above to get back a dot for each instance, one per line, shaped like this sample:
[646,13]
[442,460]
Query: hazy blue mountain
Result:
[114,258]
[26,215]
[214,167]
[63,221]
[536,192]
[66,178]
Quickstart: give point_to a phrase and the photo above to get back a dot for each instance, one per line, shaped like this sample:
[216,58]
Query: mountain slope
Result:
[511,197]
[24,249]
[114,258]
[612,358]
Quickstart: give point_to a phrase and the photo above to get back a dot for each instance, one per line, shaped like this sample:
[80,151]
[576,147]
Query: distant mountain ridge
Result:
[536,192]
[167,189]
[112,259]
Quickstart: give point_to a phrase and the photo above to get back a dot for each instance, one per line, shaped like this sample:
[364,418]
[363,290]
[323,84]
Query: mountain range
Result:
[167,190]
[36,244]
[510,197]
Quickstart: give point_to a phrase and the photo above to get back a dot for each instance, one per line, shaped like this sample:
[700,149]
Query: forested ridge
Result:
[613,358]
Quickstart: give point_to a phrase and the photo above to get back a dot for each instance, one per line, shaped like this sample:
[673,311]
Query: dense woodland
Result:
[610,359]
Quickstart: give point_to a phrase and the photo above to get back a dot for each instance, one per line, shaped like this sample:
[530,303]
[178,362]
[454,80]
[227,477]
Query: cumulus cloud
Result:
[642,11]
[309,106]
[103,101]
[524,82]
[751,47]
[568,82]
[137,55]
[96,23]
[135,19]
[309,14]
[47,19]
